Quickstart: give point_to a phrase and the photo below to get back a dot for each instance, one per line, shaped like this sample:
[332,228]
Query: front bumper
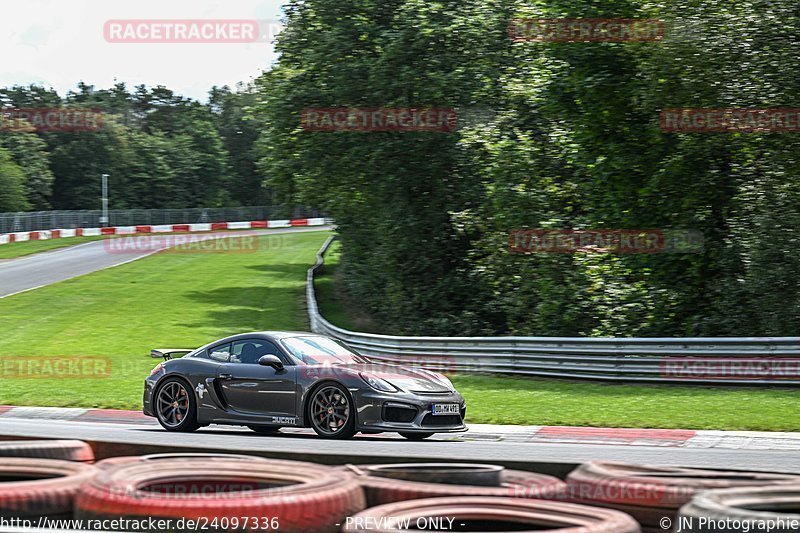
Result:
[377,411]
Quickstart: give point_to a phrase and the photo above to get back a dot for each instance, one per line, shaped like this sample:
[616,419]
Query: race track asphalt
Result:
[34,271]
[552,457]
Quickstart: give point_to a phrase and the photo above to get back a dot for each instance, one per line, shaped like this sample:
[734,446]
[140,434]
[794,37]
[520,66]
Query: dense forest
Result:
[559,135]
[571,138]
[160,149]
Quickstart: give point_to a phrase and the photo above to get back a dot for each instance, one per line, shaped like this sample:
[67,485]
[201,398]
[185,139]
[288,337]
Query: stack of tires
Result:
[388,483]
[774,508]
[490,514]
[652,494]
[208,492]
[41,478]
[40,487]
[213,492]
[64,450]
[222,492]
[472,497]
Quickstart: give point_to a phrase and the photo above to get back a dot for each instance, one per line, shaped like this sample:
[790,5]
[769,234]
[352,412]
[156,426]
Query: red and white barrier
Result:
[169,228]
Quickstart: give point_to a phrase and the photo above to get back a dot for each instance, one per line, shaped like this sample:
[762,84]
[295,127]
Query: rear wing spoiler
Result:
[167,353]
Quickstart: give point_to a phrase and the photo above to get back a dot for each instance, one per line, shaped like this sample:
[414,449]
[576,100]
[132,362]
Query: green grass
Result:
[165,300]
[531,401]
[19,249]
[506,400]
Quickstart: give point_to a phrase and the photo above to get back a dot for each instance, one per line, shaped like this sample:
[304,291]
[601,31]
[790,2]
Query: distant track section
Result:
[166,228]
[34,271]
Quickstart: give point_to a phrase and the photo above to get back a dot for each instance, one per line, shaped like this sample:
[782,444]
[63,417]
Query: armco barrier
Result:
[169,228]
[748,360]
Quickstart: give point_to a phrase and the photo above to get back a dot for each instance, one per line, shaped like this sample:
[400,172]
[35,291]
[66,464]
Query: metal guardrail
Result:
[746,360]
[47,220]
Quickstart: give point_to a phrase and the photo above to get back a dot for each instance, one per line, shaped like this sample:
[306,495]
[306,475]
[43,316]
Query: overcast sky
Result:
[57,43]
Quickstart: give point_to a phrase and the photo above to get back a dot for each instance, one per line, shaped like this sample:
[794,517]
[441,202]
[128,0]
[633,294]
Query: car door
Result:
[252,389]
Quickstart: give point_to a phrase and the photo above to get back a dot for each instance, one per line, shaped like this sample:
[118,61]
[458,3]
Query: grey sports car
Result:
[273,379]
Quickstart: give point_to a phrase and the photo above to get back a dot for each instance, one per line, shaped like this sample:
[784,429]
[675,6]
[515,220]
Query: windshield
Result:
[319,351]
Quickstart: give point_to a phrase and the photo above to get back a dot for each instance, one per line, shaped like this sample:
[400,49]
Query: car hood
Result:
[407,379]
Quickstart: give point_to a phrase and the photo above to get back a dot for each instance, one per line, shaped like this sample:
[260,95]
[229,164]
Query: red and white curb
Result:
[674,438]
[150,229]
[74,414]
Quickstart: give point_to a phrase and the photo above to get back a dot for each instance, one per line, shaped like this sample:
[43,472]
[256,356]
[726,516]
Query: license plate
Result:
[446,409]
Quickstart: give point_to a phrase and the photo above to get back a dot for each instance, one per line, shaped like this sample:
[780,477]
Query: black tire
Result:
[65,450]
[649,493]
[179,415]
[303,498]
[477,513]
[338,404]
[114,462]
[415,436]
[513,483]
[744,509]
[266,430]
[34,487]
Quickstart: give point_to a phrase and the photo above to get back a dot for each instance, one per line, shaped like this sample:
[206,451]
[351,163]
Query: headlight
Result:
[377,383]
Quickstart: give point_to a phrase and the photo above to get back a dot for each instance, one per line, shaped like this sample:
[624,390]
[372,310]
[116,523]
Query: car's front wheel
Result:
[176,409]
[415,436]
[332,413]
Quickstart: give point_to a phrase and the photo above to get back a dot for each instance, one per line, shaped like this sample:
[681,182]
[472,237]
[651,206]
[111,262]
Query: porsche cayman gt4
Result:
[274,379]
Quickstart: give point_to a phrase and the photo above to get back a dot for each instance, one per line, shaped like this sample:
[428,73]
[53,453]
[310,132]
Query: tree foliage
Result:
[160,149]
[570,139]
[12,184]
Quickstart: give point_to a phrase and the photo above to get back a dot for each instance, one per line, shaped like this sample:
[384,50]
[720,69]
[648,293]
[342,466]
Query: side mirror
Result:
[271,360]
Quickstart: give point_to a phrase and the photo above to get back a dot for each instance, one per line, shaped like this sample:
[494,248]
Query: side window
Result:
[250,351]
[220,353]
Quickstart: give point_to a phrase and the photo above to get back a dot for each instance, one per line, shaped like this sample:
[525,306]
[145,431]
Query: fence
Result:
[44,220]
[648,360]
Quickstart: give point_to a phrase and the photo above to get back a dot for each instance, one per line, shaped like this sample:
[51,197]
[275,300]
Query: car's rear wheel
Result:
[415,436]
[331,412]
[265,430]
[176,409]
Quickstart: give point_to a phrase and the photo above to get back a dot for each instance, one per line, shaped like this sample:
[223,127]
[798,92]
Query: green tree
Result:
[12,184]
[80,158]
[392,194]
[239,130]
[29,151]
[574,142]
